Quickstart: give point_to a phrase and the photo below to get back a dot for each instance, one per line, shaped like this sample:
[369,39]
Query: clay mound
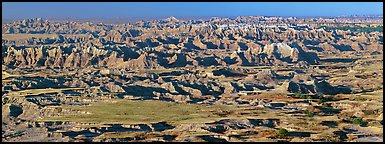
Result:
[322,87]
[207,61]
[271,54]
[68,56]
[290,54]
[228,73]
[171,19]
[114,36]
[198,43]
[113,87]
[179,60]
[254,55]
[143,61]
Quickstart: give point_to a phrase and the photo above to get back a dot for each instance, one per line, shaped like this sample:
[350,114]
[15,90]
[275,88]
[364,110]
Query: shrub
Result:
[358,98]
[358,121]
[320,96]
[370,112]
[309,113]
[282,133]
[297,95]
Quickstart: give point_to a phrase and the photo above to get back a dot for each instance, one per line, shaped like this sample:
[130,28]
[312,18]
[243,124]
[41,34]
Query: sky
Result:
[25,10]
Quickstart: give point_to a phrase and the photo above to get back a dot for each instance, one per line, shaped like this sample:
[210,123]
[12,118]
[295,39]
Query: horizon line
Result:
[186,16]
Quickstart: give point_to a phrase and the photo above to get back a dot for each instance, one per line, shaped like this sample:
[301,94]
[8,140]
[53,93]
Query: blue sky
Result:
[23,10]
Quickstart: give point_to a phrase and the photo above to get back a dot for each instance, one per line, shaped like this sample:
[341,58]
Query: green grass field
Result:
[32,92]
[138,112]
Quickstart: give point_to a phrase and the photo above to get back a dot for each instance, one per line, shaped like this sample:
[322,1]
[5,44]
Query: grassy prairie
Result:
[252,67]
[138,112]
[32,92]
[152,111]
[158,71]
[26,36]
[6,75]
